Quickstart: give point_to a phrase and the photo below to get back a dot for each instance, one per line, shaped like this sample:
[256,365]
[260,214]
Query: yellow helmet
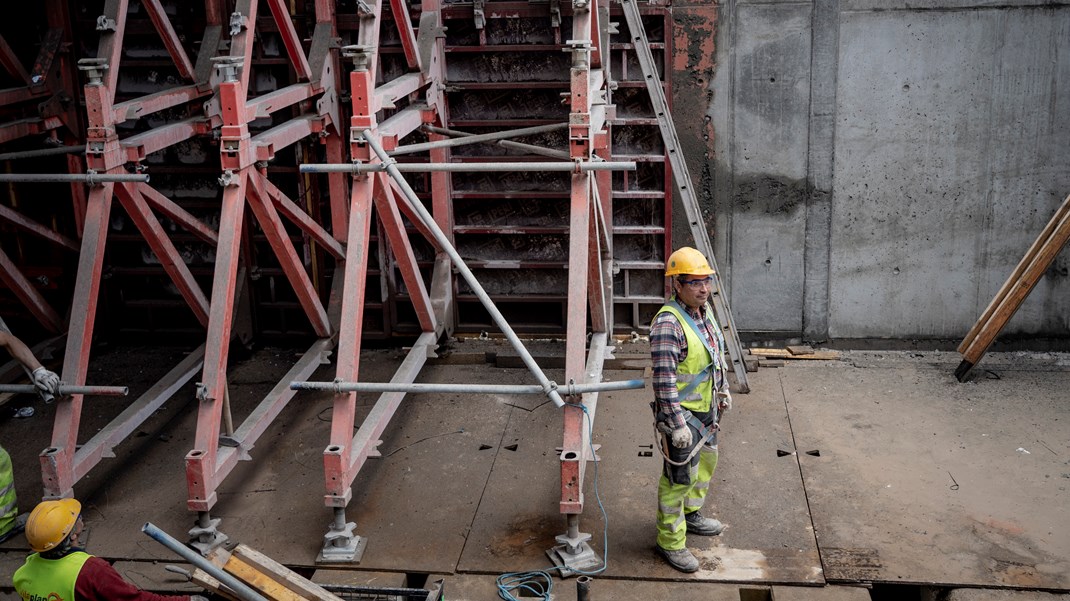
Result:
[687,261]
[50,523]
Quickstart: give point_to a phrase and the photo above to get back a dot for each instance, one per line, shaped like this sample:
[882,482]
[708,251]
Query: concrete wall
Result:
[876,169]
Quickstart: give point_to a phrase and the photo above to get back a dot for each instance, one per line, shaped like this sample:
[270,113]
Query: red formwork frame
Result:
[47,82]
[245,184]
[590,285]
[227,109]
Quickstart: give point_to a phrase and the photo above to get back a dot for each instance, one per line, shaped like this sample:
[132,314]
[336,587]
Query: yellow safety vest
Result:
[9,505]
[693,366]
[41,579]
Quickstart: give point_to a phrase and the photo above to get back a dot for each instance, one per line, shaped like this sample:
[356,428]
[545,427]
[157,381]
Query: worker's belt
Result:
[663,432]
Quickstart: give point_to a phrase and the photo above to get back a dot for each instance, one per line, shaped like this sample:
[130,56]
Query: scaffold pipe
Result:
[65,390]
[90,179]
[561,166]
[434,388]
[444,243]
[236,586]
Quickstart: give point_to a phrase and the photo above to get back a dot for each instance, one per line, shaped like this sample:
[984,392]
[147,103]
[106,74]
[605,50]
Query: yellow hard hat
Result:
[687,261]
[50,523]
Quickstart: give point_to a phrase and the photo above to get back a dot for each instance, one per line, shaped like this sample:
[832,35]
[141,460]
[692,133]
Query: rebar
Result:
[42,152]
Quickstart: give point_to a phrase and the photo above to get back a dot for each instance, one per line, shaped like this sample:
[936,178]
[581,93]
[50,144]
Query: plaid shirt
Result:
[668,348]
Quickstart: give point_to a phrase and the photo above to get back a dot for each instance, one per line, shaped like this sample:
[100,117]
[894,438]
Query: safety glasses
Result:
[696,284]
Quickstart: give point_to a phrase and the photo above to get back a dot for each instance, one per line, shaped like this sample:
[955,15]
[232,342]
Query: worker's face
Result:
[79,535]
[693,290]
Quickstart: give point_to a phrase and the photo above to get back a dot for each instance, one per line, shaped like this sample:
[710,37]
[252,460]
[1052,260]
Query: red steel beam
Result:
[290,39]
[169,257]
[12,216]
[301,219]
[57,461]
[177,214]
[28,295]
[391,221]
[170,38]
[11,63]
[201,460]
[400,10]
[279,239]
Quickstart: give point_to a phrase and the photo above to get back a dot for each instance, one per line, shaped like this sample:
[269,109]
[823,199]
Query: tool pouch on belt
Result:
[680,464]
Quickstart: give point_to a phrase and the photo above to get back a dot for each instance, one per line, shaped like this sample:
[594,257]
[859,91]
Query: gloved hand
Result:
[198,598]
[681,437]
[45,380]
[724,401]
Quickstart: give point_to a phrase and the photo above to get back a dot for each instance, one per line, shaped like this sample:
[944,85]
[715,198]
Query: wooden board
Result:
[787,354]
[300,586]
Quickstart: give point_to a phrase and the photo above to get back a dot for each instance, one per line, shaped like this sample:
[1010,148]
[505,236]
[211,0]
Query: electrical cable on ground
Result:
[539,583]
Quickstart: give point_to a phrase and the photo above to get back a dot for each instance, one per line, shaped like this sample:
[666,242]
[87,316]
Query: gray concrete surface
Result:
[878,169]
[919,480]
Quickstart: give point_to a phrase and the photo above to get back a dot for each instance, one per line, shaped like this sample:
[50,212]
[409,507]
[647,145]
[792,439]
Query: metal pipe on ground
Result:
[432,388]
[583,588]
[239,588]
[444,243]
[567,167]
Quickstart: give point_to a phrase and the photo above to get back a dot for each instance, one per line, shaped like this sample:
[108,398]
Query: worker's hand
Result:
[45,380]
[681,437]
[198,598]
[724,401]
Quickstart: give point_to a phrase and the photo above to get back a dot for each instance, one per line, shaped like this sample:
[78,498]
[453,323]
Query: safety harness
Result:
[706,434]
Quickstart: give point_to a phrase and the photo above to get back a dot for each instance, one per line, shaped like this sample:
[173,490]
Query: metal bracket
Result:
[359,54]
[228,67]
[206,539]
[574,555]
[479,14]
[228,179]
[94,69]
[555,13]
[342,545]
[581,52]
[364,10]
[106,24]
[237,23]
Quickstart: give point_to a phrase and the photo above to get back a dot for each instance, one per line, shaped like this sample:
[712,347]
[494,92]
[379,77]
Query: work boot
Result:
[696,524]
[682,560]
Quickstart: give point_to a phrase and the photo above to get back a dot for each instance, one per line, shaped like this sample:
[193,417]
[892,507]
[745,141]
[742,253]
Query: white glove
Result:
[198,598]
[724,401]
[45,380]
[681,437]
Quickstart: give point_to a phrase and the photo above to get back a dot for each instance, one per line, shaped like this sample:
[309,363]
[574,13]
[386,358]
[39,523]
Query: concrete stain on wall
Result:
[770,194]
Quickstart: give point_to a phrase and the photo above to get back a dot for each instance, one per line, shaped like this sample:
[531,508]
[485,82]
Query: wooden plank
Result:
[803,349]
[209,583]
[770,363]
[1016,275]
[301,587]
[259,581]
[1022,287]
[786,354]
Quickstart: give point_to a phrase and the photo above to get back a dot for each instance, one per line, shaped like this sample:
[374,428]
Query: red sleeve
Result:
[98,581]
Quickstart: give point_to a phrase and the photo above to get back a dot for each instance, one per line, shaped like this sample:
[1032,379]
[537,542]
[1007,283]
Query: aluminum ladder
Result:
[682,177]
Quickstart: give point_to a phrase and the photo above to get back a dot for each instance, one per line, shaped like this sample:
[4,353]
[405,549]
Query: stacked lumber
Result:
[261,573]
[776,357]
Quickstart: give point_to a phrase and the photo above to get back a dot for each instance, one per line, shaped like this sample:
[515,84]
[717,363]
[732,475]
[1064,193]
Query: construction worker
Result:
[690,392]
[11,523]
[61,569]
